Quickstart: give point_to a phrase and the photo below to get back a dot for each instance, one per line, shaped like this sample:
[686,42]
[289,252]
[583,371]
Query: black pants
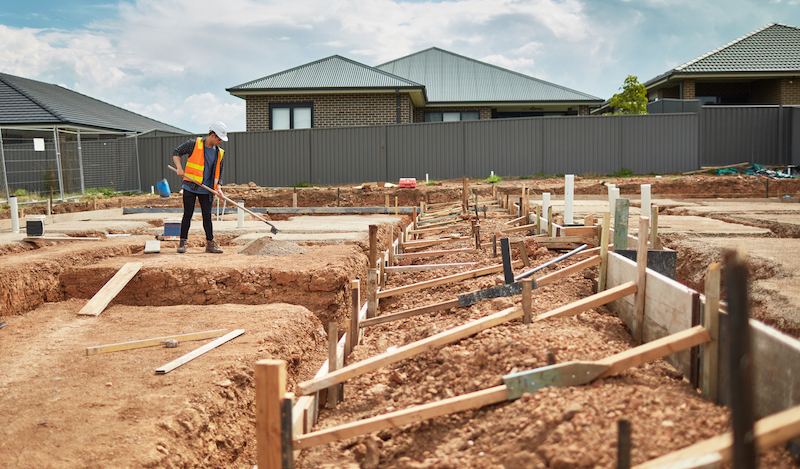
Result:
[188,210]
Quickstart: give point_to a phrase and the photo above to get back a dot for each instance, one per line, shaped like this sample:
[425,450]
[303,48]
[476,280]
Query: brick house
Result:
[433,85]
[762,67]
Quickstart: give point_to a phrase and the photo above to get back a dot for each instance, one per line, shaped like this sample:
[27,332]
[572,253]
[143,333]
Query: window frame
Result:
[426,116]
[291,107]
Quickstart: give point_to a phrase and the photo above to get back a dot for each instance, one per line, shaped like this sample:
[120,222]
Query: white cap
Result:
[220,129]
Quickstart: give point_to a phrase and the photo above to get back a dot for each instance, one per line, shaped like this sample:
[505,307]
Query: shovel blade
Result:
[563,374]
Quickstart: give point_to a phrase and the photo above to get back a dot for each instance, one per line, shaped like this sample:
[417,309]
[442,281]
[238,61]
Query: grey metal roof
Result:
[773,48]
[334,72]
[30,102]
[450,77]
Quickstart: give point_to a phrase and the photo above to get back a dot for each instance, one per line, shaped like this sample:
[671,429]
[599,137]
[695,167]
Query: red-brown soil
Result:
[60,408]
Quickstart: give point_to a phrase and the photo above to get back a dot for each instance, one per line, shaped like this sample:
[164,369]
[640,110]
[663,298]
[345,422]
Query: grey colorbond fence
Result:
[658,143]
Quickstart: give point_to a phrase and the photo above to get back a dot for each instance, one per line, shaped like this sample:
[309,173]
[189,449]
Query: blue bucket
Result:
[163,188]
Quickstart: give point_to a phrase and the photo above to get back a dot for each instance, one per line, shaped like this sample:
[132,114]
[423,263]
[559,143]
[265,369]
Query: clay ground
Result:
[62,408]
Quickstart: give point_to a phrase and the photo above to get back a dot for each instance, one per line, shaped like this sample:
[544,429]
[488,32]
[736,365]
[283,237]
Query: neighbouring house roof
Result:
[25,102]
[773,49]
[433,76]
[453,78]
[331,73]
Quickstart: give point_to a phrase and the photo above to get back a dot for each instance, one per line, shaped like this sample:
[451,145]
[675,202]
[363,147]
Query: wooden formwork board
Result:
[776,368]
[668,309]
[667,305]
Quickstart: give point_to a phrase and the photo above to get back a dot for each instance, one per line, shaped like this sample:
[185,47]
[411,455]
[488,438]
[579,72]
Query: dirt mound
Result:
[266,246]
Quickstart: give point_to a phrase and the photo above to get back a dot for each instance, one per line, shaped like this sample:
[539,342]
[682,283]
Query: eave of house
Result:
[673,78]
[417,95]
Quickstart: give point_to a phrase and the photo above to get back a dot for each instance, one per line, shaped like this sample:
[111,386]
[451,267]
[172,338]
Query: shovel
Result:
[221,196]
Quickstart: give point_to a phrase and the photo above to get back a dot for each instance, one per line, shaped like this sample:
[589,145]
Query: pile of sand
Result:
[266,246]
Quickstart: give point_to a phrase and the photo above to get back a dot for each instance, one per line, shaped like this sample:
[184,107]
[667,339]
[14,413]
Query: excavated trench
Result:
[212,425]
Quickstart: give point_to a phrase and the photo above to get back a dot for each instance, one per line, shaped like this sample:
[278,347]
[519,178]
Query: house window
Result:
[290,116]
[452,116]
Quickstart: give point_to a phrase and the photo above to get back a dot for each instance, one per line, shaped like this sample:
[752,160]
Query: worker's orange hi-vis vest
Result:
[196,164]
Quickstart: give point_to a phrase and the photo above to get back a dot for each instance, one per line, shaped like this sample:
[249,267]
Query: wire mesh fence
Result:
[41,165]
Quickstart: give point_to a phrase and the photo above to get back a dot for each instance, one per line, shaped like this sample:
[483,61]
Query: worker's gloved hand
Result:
[219,192]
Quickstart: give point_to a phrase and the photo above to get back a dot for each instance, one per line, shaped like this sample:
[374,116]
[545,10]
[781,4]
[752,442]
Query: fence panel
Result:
[553,145]
[414,150]
[660,143]
[268,158]
[107,163]
[28,169]
[509,147]
[794,136]
[582,145]
[733,135]
[348,155]
[155,153]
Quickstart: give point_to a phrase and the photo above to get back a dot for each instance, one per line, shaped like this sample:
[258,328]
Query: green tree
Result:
[631,100]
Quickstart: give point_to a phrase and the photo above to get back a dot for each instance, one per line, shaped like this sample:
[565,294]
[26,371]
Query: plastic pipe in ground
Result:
[645,200]
[240,215]
[12,203]
[613,195]
[569,197]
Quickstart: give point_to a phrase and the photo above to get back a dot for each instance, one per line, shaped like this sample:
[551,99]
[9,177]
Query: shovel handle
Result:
[223,196]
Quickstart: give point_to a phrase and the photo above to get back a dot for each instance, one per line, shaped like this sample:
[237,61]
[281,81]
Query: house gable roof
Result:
[453,78]
[30,102]
[774,48]
[331,73]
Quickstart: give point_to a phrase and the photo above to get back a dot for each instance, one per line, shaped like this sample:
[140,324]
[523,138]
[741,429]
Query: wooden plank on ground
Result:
[443,280]
[473,400]
[410,313]
[196,353]
[409,350]
[653,350]
[98,349]
[769,432]
[590,302]
[567,271]
[415,255]
[582,231]
[32,239]
[102,298]
[424,267]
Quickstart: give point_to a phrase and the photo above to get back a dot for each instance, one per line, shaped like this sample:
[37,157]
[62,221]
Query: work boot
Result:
[212,247]
[182,246]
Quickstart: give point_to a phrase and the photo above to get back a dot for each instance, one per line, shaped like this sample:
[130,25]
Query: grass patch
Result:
[622,173]
[493,179]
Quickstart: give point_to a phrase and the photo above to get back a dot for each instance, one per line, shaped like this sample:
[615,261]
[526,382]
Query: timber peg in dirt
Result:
[273,230]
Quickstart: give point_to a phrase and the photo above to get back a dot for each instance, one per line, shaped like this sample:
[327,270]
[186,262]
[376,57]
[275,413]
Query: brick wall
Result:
[790,92]
[688,89]
[671,93]
[334,110]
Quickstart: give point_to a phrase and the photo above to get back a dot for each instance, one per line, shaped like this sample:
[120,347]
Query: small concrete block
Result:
[152,247]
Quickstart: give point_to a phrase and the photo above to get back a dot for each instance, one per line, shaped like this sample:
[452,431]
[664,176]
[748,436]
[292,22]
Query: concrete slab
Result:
[704,226]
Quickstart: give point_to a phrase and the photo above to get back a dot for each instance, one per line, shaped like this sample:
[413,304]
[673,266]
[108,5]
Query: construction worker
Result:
[204,166]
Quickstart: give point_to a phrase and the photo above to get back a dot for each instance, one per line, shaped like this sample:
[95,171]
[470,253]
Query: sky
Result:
[171,60]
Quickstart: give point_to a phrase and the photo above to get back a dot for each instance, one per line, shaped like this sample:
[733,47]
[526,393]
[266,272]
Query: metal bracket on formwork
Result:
[563,374]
